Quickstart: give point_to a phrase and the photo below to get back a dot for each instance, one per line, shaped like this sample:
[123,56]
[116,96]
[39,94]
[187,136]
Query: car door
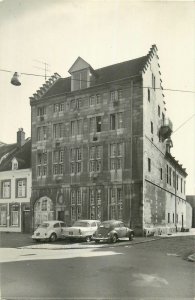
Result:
[57,229]
[62,225]
[93,228]
[117,229]
[122,230]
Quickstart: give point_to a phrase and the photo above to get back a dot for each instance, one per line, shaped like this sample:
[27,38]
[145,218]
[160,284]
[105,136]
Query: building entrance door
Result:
[60,215]
[26,221]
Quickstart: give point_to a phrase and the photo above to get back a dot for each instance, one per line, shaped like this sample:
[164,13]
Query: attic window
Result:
[14,165]
[80,80]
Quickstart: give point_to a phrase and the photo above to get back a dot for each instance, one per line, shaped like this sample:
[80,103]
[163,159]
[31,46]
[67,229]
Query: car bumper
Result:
[74,236]
[39,237]
[101,239]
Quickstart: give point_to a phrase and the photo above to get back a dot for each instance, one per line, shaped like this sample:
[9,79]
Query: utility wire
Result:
[89,81]
[184,123]
[31,74]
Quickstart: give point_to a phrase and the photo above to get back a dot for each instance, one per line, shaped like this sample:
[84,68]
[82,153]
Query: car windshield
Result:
[81,224]
[107,225]
[44,225]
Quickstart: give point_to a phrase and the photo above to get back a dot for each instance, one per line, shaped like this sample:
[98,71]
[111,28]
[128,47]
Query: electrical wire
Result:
[184,123]
[90,81]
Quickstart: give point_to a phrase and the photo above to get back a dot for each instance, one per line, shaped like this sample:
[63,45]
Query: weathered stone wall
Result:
[129,178]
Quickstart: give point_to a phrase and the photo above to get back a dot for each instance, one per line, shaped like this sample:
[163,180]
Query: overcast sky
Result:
[102,33]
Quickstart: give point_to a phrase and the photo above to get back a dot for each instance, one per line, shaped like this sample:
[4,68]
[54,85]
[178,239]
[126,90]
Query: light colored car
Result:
[81,229]
[49,231]
[111,231]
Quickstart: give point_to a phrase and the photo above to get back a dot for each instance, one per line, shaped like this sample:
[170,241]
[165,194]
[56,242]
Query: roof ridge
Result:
[122,62]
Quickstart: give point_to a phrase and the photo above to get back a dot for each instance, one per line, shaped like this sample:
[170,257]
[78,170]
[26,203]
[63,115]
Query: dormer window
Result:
[81,75]
[14,164]
[80,80]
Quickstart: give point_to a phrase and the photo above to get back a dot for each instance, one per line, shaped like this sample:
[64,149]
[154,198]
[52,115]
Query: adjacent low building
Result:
[15,185]
[101,142]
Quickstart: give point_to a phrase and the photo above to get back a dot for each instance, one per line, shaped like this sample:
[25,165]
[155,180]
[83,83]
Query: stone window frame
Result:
[2,189]
[25,187]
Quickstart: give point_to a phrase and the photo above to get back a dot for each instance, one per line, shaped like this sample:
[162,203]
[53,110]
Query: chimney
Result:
[20,137]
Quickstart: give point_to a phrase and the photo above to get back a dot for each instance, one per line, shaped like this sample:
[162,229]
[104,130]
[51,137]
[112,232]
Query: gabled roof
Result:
[79,64]
[22,154]
[61,86]
[103,75]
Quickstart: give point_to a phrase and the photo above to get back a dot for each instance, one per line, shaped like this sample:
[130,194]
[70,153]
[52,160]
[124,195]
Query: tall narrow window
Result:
[153,82]
[158,110]
[21,188]
[6,189]
[177,181]
[161,172]
[116,156]
[148,95]
[98,124]
[163,119]
[3,215]
[113,122]
[168,217]
[151,125]
[170,176]
[73,128]
[42,163]
[149,164]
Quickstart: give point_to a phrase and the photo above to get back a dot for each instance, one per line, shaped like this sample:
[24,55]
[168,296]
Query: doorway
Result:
[60,215]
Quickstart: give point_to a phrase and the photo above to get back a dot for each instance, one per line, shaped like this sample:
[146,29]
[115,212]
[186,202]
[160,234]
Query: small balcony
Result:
[166,129]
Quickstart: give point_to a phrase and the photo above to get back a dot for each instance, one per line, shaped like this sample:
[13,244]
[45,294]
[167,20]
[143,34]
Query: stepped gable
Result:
[103,75]
[45,87]
[106,74]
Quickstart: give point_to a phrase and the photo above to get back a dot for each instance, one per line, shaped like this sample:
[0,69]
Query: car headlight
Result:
[108,234]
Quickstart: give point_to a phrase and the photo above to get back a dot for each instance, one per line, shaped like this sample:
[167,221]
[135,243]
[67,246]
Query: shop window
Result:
[3,215]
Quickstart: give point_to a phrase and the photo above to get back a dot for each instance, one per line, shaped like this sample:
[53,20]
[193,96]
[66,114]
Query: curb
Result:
[90,246]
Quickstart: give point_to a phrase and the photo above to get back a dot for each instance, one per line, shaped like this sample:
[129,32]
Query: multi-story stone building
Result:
[15,185]
[101,147]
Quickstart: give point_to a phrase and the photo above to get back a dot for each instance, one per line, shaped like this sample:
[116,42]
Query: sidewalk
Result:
[123,242]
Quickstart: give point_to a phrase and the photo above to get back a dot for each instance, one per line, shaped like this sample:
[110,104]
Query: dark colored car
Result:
[111,231]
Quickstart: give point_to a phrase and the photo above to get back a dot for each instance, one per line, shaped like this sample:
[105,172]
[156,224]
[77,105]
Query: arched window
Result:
[43,211]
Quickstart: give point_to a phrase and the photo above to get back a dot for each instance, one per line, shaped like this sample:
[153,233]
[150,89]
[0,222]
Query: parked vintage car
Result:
[81,229]
[49,231]
[111,231]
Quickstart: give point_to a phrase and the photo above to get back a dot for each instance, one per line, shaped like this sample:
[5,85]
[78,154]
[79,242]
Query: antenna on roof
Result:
[45,68]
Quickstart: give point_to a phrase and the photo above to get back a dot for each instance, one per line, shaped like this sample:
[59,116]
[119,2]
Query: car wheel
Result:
[53,237]
[88,239]
[130,236]
[35,240]
[97,241]
[114,238]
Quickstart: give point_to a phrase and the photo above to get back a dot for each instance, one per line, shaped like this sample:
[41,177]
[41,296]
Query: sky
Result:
[102,32]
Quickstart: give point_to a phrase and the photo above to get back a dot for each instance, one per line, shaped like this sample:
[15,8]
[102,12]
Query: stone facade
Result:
[91,140]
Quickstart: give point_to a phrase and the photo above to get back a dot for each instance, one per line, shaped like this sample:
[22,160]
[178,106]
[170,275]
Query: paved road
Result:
[155,270]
